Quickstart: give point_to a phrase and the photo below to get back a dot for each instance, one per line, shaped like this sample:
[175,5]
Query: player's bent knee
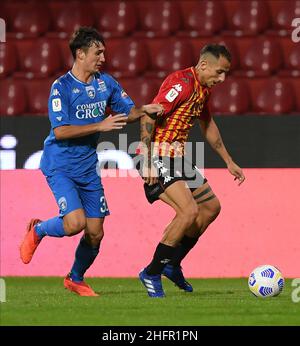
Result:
[94,235]
[74,226]
[189,215]
[95,238]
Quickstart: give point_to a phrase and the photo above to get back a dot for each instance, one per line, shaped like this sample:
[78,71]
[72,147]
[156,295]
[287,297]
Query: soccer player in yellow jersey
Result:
[184,96]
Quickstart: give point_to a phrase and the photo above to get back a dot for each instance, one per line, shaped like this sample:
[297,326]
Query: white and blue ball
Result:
[266,281]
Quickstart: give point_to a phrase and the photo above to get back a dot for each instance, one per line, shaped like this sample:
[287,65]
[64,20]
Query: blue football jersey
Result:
[73,102]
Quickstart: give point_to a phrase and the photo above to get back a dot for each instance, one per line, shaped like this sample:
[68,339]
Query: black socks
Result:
[162,256]
[185,246]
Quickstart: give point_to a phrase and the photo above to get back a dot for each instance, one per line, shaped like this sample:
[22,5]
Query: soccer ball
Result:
[266,281]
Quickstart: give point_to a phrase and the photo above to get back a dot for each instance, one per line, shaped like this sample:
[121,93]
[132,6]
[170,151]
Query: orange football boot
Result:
[81,288]
[30,242]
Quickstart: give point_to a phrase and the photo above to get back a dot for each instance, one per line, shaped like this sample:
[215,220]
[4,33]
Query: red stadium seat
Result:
[167,56]
[201,18]
[291,53]
[8,59]
[260,57]
[158,18]
[295,82]
[141,91]
[293,62]
[231,97]
[283,12]
[38,58]
[12,97]
[230,7]
[197,44]
[126,57]
[272,96]
[5,13]
[27,20]
[38,92]
[115,18]
[250,17]
[65,52]
[69,16]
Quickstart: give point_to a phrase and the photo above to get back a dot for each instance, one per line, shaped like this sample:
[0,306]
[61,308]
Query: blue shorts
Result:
[85,192]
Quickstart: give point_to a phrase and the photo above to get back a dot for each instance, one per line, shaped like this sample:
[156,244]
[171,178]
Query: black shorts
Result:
[170,170]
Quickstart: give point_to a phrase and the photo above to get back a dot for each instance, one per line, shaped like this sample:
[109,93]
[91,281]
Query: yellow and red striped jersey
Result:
[184,100]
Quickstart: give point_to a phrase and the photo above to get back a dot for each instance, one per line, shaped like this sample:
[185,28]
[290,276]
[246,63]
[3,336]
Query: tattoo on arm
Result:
[147,130]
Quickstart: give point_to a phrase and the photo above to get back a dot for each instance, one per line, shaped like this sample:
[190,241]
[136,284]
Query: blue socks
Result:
[84,257]
[85,253]
[53,228]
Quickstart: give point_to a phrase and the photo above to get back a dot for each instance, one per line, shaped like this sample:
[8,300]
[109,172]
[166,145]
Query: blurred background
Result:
[146,40]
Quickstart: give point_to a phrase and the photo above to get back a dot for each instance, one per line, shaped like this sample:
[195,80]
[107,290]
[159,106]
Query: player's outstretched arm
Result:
[212,135]
[152,110]
[116,122]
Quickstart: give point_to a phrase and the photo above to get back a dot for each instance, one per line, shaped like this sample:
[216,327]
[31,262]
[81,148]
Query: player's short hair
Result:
[216,50]
[83,38]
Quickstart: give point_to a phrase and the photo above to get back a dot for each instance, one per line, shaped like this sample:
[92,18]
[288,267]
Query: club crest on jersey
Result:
[90,90]
[101,84]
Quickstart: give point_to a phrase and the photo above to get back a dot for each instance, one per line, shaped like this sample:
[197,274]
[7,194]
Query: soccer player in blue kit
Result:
[77,106]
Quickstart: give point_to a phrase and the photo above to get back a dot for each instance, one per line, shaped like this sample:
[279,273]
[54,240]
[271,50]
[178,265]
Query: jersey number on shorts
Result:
[104,208]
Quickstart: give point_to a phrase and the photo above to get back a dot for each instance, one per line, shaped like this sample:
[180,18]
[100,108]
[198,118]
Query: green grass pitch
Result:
[37,301]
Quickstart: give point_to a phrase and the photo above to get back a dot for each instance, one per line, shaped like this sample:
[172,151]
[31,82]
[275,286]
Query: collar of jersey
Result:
[79,81]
